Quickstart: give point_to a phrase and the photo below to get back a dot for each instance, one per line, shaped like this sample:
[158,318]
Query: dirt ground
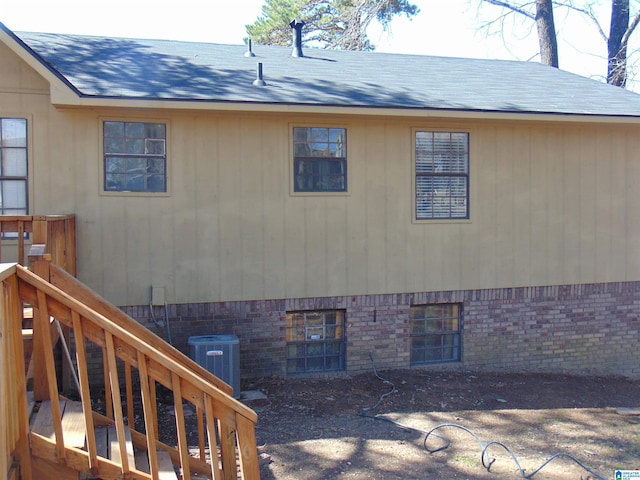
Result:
[343,428]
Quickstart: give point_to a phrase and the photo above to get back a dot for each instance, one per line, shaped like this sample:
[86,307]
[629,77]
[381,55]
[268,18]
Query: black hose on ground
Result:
[486,461]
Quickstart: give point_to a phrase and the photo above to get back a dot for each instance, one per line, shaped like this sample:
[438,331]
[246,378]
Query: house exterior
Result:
[335,207]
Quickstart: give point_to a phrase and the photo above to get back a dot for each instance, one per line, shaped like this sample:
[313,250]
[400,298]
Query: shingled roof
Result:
[126,68]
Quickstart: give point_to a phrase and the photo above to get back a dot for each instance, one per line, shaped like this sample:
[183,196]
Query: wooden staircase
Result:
[106,437]
[49,436]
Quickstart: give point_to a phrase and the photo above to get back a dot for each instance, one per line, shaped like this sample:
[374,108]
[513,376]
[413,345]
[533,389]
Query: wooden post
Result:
[39,264]
[40,229]
[39,260]
[21,242]
[70,245]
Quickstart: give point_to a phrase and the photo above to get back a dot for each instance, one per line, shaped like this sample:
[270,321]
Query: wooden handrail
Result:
[63,280]
[133,355]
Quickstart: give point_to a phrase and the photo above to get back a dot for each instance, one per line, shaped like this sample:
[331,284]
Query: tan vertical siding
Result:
[555,203]
[548,205]
[618,225]
[207,187]
[604,215]
[312,270]
[275,185]
[375,208]
[111,218]
[336,267]
[397,158]
[251,197]
[17,76]
[504,255]
[571,187]
[230,228]
[482,249]
[588,205]
[539,183]
[632,197]
[183,194]
[356,255]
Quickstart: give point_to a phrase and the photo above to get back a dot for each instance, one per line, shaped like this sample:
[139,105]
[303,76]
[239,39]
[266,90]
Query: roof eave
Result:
[65,98]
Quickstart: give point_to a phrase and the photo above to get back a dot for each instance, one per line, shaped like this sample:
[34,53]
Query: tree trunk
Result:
[617,49]
[547,32]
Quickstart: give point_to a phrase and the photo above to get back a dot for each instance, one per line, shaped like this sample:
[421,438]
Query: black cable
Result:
[385,395]
[487,463]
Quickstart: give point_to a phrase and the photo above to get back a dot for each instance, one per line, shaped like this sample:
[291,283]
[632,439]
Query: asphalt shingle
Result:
[170,70]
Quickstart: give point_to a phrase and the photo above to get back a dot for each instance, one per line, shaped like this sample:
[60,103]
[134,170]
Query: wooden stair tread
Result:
[165,467]
[166,471]
[73,428]
[142,461]
[114,446]
[42,424]
[102,442]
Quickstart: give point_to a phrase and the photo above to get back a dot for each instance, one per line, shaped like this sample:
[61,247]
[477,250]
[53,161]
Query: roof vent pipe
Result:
[297,25]
[259,82]
[249,53]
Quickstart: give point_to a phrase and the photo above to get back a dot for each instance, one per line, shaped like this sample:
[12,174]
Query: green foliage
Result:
[336,24]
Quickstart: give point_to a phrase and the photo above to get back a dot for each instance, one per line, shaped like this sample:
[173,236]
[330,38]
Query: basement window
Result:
[436,332]
[315,341]
[135,158]
[319,159]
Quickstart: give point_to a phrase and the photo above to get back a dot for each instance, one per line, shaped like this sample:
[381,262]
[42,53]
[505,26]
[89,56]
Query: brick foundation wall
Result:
[580,329]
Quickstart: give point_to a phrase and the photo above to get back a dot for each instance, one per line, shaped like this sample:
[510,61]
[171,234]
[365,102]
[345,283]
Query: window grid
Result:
[13,169]
[436,332]
[320,159]
[315,341]
[442,175]
[135,157]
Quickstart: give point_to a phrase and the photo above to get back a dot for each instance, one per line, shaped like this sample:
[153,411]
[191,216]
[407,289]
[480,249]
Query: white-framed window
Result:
[315,341]
[135,156]
[436,333]
[441,175]
[319,159]
[13,166]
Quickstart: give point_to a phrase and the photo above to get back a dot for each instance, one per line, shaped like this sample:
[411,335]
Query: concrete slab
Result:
[252,395]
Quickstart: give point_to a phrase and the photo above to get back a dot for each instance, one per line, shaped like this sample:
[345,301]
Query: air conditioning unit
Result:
[220,355]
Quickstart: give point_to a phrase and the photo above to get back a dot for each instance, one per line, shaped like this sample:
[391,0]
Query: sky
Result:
[443,27]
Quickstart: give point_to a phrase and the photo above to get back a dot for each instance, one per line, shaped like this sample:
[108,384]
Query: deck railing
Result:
[55,237]
[55,234]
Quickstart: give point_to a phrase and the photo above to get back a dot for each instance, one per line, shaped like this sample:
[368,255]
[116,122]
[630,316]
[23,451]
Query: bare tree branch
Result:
[617,38]
[588,12]
[632,26]
[512,7]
